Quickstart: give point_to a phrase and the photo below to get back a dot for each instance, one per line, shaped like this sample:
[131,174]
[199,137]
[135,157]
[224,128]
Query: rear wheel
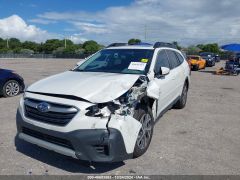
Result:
[181,103]
[11,88]
[144,115]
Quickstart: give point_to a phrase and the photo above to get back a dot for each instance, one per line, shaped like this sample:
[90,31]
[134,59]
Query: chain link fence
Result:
[44,56]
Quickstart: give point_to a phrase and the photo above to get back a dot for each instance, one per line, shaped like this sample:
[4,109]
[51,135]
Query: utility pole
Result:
[65,43]
[145,32]
[7,43]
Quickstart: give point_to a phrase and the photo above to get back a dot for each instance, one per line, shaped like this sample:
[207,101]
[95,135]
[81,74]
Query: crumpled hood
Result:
[92,86]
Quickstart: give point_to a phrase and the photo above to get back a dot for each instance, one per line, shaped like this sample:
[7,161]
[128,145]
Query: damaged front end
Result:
[125,105]
[100,132]
[120,112]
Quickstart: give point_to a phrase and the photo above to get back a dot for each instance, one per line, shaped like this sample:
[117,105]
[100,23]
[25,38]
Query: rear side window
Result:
[173,59]
[162,60]
[180,58]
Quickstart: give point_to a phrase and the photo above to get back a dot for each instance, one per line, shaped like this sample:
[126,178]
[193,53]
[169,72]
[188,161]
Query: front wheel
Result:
[11,88]
[181,103]
[145,117]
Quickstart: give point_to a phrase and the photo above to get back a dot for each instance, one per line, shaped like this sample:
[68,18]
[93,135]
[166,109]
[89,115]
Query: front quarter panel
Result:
[129,128]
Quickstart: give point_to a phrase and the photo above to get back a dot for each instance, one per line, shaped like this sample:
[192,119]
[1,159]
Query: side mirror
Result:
[165,71]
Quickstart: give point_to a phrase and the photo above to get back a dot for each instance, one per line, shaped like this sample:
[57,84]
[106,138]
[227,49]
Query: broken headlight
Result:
[102,110]
[93,111]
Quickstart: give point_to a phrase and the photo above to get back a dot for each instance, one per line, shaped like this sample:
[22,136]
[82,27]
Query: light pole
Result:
[145,32]
[7,44]
[65,42]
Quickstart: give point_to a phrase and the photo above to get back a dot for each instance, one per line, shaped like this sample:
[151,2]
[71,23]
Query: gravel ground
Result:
[202,139]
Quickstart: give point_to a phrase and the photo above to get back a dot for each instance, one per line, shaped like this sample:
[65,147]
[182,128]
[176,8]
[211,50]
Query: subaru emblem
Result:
[43,107]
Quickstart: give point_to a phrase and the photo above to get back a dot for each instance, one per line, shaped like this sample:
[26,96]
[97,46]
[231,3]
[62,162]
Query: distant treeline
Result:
[51,46]
[66,47]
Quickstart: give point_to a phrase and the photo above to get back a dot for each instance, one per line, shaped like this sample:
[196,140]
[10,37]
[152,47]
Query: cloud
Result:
[41,21]
[89,28]
[186,21]
[77,38]
[15,26]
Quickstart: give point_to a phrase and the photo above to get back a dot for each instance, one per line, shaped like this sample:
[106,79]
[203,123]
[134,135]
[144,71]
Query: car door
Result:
[162,87]
[178,73]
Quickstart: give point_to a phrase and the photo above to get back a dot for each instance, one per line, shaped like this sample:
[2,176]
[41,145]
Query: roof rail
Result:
[117,44]
[141,44]
[164,44]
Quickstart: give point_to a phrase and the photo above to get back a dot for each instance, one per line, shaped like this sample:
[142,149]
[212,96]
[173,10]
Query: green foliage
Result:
[214,48]
[26,51]
[64,47]
[193,50]
[91,47]
[14,43]
[30,45]
[134,41]
[52,44]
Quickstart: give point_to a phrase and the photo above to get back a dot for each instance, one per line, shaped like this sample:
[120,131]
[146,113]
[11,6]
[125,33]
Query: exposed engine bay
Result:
[125,104]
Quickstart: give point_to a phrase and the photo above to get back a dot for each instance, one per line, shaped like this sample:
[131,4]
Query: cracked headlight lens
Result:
[93,111]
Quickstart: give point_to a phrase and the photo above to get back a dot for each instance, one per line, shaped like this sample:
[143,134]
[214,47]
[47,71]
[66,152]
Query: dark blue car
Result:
[11,84]
[209,57]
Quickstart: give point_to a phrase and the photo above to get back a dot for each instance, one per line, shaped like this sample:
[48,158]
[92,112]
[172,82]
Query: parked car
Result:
[196,62]
[209,57]
[104,110]
[233,66]
[11,84]
[217,58]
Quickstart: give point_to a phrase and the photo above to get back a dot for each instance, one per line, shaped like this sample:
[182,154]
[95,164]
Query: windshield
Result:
[125,61]
[194,57]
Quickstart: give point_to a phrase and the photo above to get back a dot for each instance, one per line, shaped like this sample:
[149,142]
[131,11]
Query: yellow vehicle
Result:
[196,62]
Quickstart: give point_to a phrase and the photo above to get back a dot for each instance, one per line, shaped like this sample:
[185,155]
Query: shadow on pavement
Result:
[62,162]
[207,71]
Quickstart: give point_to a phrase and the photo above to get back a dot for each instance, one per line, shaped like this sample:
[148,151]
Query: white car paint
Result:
[104,87]
[129,128]
[92,86]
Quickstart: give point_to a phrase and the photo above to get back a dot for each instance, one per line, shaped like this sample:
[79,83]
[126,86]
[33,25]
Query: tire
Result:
[144,115]
[11,88]
[196,67]
[181,103]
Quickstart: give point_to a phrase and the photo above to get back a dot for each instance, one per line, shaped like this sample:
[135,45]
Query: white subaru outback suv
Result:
[104,110]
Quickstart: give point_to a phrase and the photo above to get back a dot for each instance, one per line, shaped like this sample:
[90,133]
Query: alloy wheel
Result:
[144,136]
[12,88]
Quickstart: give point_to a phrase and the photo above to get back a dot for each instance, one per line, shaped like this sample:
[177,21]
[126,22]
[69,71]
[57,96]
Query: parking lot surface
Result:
[202,139]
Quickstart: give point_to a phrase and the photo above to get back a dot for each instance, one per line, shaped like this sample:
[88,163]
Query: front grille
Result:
[59,115]
[51,139]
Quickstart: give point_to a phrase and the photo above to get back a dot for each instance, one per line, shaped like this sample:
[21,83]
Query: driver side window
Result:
[162,61]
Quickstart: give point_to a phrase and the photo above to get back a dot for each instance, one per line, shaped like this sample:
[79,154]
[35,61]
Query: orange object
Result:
[196,62]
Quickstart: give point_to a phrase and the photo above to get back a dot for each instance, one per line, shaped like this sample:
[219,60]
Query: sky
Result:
[187,21]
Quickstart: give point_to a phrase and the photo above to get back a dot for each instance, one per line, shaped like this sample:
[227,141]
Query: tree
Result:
[193,50]
[30,45]
[26,51]
[90,47]
[14,43]
[134,41]
[177,45]
[52,44]
[214,48]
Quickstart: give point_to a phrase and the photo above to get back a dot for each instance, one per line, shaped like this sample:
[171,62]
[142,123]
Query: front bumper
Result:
[194,66]
[97,145]
[209,63]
